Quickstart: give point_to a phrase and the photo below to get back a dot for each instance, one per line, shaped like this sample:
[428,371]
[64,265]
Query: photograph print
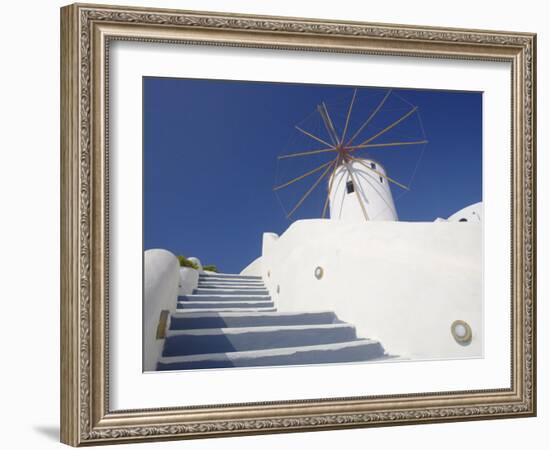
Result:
[294,224]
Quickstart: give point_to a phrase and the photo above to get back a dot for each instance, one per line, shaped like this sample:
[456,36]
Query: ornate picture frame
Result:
[87,31]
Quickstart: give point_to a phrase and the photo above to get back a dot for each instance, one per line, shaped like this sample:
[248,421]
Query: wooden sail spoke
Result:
[311,172]
[317,138]
[310,190]
[323,111]
[389,127]
[370,117]
[309,152]
[356,190]
[385,144]
[348,116]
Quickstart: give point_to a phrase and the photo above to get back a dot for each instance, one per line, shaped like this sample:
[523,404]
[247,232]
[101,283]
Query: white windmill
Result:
[358,187]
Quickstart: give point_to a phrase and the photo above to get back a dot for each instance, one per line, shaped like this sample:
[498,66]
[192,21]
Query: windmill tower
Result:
[359,191]
[357,186]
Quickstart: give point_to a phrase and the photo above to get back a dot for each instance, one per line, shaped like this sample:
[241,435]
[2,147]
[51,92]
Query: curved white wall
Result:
[161,277]
[472,213]
[373,189]
[400,282]
[189,280]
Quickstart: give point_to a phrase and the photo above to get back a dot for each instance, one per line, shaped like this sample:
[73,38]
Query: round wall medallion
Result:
[462,332]
[319,272]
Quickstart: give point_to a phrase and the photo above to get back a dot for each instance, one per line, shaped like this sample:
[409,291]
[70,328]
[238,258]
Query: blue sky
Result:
[210,158]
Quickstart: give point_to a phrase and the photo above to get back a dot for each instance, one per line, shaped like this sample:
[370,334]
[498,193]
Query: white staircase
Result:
[231,321]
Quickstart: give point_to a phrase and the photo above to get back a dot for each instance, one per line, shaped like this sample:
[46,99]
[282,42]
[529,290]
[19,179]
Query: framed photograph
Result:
[275,224]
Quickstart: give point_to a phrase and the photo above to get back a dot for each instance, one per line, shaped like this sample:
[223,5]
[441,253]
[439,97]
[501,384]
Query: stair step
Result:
[221,310]
[232,276]
[232,285]
[226,291]
[224,340]
[358,350]
[205,304]
[223,282]
[228,281]
[231,282]
[223,298]
[207,319]
[259,287]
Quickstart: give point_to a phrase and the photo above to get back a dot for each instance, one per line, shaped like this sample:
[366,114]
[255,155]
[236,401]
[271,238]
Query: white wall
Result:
[189,280]
[29,181]
[254,268]
[161,279]
[400,282]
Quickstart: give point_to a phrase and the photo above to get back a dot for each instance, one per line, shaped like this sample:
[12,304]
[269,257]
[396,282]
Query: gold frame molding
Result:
[86,31]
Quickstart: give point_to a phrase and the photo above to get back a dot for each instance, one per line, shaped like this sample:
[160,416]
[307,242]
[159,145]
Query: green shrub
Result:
[184,262]
[211,268]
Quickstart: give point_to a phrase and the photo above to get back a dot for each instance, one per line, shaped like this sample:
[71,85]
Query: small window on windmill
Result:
[372,165]
[349,187]
[381,180]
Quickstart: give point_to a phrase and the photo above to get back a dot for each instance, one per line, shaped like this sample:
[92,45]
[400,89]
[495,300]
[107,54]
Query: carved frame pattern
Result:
[87,31]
